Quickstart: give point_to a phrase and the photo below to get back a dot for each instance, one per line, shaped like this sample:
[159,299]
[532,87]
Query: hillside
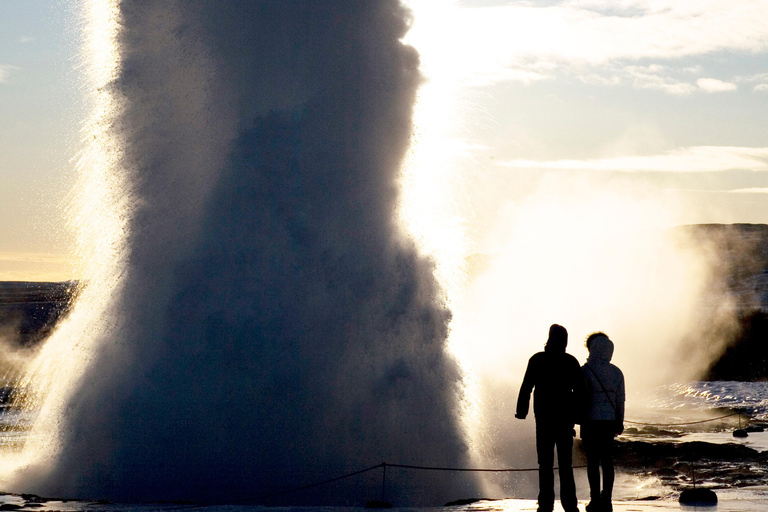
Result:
[741,251]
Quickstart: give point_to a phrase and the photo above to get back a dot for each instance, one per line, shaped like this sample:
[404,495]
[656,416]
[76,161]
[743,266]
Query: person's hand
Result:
[520,416]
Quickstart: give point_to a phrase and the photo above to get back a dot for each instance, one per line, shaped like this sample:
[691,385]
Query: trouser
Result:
[548,438]
[597,437]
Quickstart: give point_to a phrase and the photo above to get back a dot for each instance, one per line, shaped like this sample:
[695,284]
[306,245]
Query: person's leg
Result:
[593,464]
[565,464]
[545,452]
[606,460]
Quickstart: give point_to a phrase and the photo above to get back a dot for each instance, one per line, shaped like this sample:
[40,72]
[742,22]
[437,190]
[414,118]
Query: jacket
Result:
[558,387]
[605,383]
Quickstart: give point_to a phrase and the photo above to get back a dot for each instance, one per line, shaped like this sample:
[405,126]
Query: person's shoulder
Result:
[572,359]
[617,371]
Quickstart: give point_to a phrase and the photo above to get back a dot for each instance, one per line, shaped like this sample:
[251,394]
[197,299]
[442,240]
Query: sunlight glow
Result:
[430,171]
[591,255]
[431,198]
[690,159]
[525,43]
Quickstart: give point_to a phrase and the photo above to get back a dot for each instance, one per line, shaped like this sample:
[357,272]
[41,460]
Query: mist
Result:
[589,255]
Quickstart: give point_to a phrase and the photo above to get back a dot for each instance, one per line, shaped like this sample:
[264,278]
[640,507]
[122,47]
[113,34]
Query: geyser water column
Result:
[253,319]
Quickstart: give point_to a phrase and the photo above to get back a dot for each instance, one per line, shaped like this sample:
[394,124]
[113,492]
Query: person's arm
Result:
[579,395]
[620,398]
[524,398]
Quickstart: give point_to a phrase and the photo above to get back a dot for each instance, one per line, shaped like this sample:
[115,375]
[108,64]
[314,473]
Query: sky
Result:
[41,106]
[663,98]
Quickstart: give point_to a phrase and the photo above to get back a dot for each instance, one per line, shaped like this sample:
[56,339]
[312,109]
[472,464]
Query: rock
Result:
[378,504]
[698,497]
[740,432]
[466,501]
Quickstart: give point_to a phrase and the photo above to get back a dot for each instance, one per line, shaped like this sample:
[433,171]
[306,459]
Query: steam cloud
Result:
[271,326]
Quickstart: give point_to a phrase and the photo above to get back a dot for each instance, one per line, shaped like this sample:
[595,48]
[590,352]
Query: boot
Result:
[594,505]
[605,502]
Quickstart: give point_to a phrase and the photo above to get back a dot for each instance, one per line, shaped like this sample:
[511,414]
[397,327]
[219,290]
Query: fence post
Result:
[384,482]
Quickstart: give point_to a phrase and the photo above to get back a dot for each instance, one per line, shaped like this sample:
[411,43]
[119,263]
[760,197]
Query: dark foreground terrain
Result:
[29,311]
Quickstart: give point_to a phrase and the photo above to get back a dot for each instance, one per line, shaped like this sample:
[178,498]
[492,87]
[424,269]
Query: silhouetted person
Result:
[558,387]
[603,420]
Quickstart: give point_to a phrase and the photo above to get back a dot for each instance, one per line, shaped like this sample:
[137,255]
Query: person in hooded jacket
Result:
[603,420]
[558,390]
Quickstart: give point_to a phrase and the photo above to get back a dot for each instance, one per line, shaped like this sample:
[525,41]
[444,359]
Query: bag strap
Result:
[616,412]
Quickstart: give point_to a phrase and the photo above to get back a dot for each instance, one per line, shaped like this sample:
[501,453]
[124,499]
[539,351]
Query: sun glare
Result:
[430,205]
[431,169]
[590,255]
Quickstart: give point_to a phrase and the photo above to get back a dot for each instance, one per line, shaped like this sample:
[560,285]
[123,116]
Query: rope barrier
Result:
[404,466]
[385,465]
[501,470]
[683,423]
[330,480]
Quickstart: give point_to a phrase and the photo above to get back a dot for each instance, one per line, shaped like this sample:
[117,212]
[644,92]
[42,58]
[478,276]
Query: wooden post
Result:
[384,482]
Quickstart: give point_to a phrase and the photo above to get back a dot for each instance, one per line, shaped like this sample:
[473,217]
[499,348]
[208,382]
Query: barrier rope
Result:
[385,465]
[493,470]
[330,480]
[683,423]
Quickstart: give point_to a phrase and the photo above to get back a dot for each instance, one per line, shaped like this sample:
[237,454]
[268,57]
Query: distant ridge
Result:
[30,310]
[743,253]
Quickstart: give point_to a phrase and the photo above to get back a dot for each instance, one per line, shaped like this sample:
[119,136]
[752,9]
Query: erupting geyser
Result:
[253,318]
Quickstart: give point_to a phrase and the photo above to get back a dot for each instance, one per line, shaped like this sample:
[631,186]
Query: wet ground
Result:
[710,455]
[729,501]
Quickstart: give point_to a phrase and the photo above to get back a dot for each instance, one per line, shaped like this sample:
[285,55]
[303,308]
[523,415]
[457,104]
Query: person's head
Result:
[600,348]
[592,337]
[558,338]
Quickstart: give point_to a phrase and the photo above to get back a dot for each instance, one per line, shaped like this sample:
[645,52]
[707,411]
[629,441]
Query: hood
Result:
[558,339]
[601,350]
[554,346]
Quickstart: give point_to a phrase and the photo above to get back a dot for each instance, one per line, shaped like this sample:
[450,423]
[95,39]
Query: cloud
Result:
[656,77]
[659,77]
[26,39]
[5,72]
[597,79]
[752,190]
[689,159]
[34,257]
[715,85]
[760,80]
[755,190]
[493,44]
